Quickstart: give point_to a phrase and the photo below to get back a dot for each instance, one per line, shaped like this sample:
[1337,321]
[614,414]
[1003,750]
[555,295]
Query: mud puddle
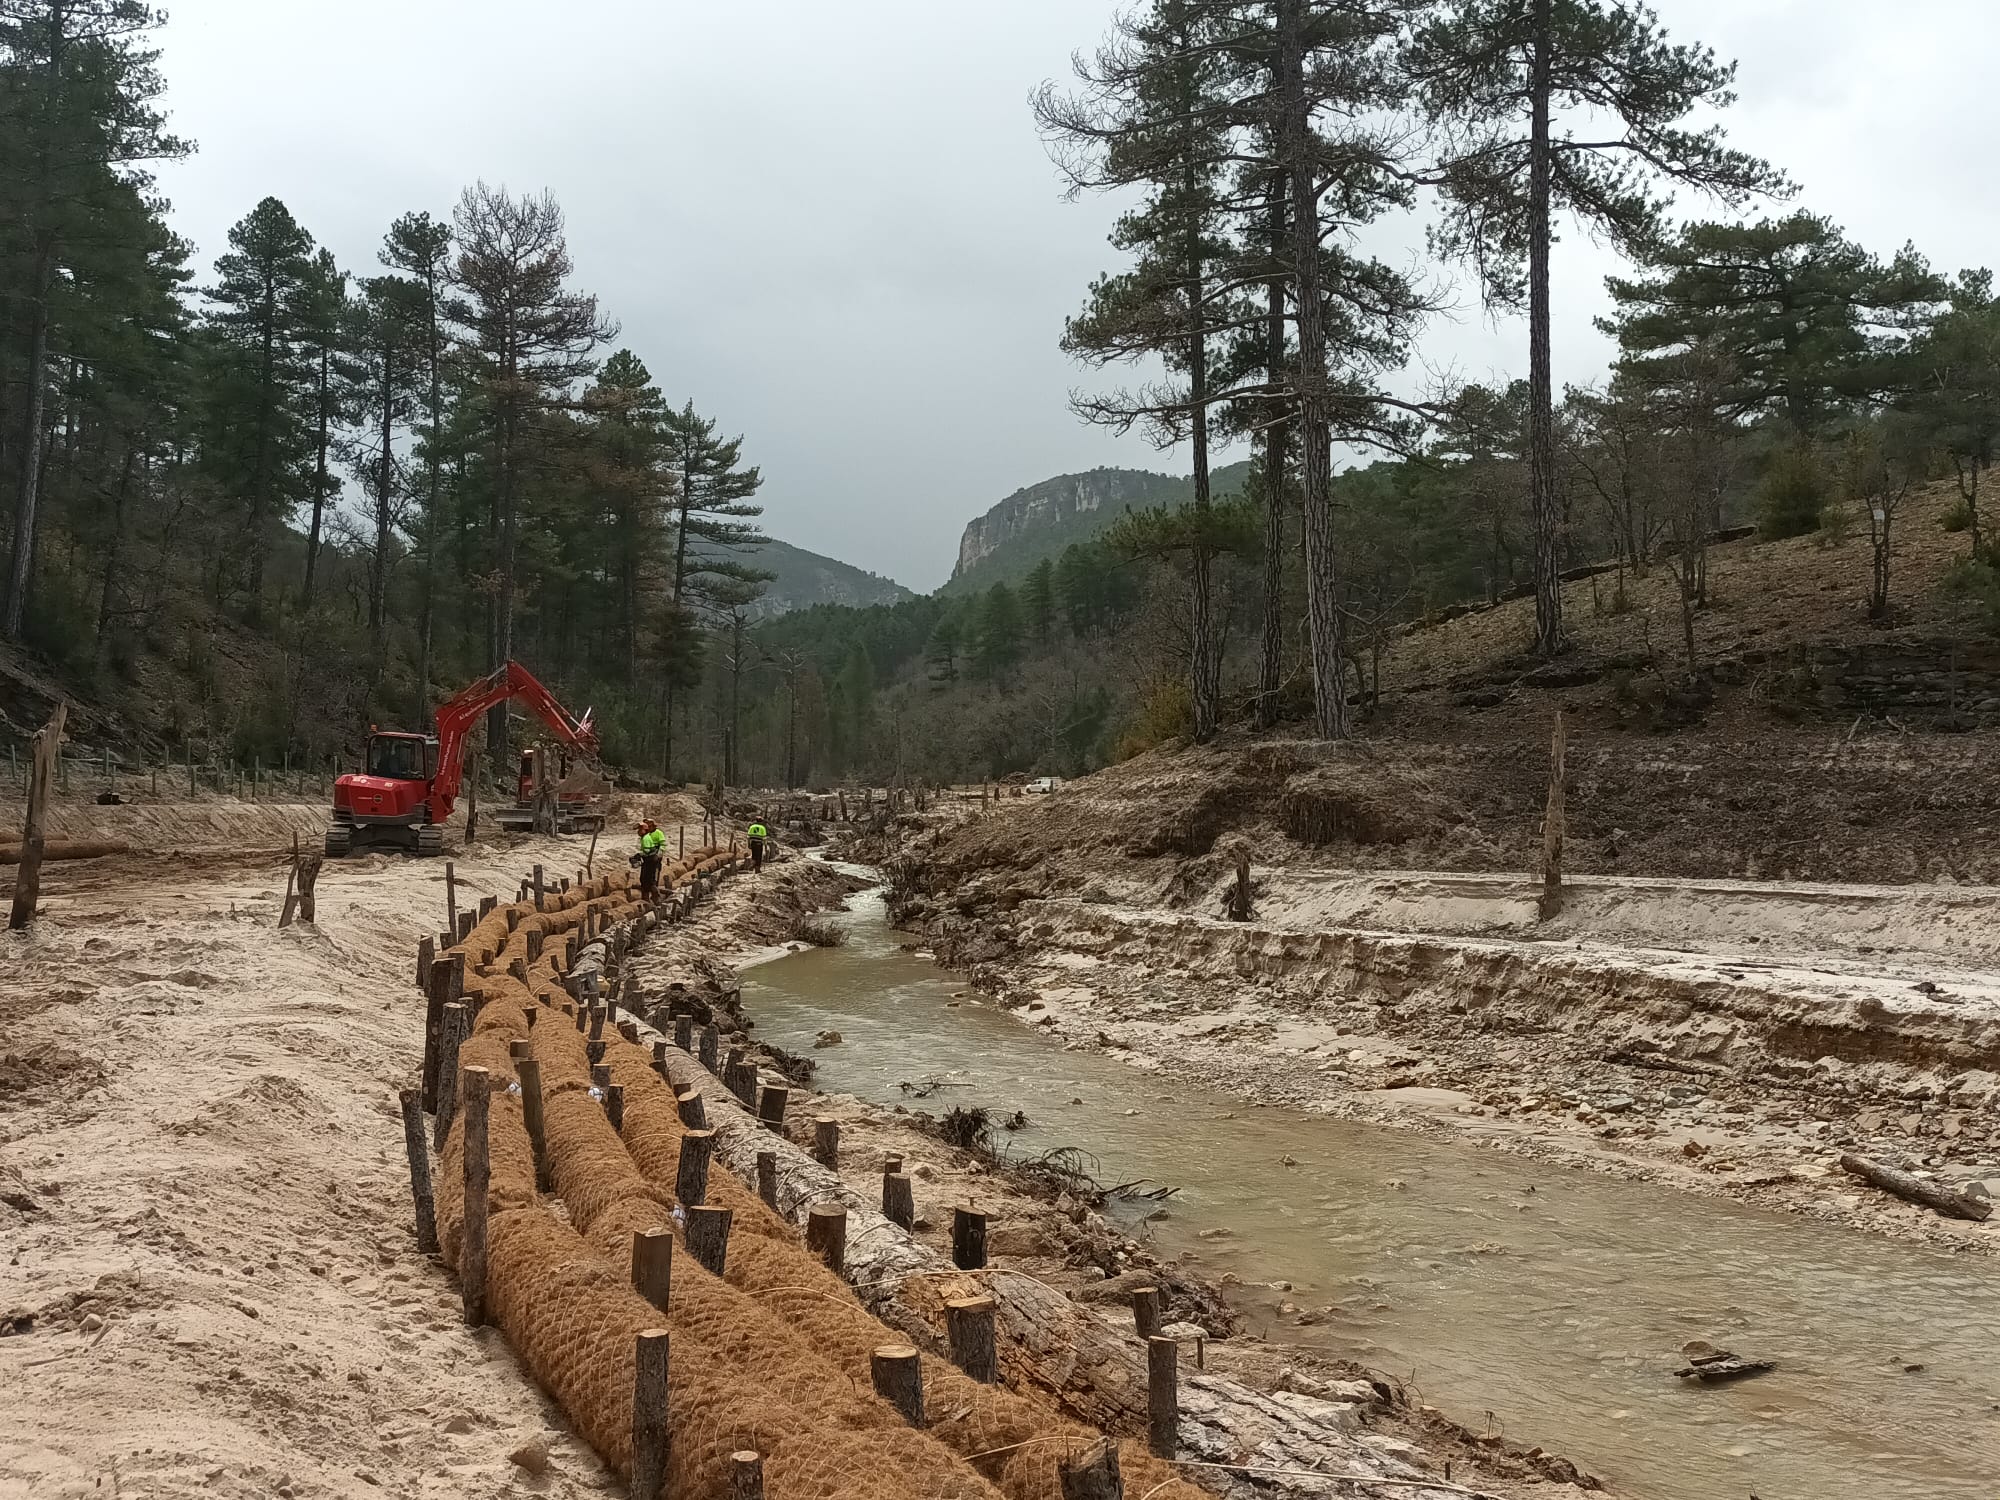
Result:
[1550,1304]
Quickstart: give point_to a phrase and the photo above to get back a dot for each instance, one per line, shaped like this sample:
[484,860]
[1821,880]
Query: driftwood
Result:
[1939,1199]
[1047,1344]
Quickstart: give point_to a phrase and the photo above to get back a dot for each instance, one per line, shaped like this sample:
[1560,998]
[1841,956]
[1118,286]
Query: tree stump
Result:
[653,1265]
[826,1143]
[899,1204]
[969,1331]
[651,1437]
[1163,1395]
[1091,1474]
[898,1373]
[968,1239]
[691,1171]
[708,1236]
[826,1234]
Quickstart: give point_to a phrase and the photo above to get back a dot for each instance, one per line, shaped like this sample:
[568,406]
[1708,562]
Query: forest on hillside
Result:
[309,496]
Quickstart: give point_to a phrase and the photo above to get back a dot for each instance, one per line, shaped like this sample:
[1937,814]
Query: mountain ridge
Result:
[1006,541]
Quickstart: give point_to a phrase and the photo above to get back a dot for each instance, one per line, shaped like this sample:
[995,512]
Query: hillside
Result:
[807,578]
[1040,521]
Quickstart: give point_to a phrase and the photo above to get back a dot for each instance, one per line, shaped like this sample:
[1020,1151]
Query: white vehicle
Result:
[1045,783]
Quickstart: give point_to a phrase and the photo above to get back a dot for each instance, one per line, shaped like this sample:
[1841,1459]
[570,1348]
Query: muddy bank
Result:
[1723,1037]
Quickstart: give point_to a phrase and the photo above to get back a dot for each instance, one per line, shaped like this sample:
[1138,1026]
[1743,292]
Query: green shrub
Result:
[1958,518]
[1793,495]
[1166,712]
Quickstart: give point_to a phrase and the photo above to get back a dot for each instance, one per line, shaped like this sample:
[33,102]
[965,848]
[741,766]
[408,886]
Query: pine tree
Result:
[631,474]
[713,519]
[325,324]
[997,638]
[1038,600]
[1154,114]
[419,247]
[1498,76]
[77,91]
[1808,319]
[261,424]
[1952,377]
[386,340]
[527,336]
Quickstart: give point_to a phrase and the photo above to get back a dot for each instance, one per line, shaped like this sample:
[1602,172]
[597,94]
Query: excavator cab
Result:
[402,757]
[389,803]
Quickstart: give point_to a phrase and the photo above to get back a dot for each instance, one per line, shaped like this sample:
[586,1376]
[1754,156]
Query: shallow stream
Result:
[1549,1302]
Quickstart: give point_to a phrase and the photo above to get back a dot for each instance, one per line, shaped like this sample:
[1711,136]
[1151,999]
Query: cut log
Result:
[1949,1202]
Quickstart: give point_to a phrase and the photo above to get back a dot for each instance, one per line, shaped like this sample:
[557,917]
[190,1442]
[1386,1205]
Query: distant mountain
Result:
[806,578]
[1004,545]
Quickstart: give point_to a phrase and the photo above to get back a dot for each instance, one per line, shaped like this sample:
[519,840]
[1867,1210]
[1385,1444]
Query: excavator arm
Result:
[457,715]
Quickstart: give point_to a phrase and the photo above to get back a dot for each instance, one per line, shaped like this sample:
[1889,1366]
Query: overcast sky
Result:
[831,224]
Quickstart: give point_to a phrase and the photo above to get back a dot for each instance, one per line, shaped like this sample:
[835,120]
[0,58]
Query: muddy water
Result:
[1554,1300]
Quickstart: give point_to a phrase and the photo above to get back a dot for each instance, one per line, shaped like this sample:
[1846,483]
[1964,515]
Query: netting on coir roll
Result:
[726,1325]
[575,1324]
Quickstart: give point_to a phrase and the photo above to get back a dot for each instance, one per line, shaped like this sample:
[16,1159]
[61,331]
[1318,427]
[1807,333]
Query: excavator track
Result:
[430,839]
[339,840]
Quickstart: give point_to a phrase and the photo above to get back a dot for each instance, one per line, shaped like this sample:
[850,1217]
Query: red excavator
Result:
[402,799]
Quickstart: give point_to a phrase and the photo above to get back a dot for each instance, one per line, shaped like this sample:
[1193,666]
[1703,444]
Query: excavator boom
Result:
[405,797]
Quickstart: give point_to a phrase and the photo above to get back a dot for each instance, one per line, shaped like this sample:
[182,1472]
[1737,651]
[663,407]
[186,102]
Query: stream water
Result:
[1554,1300]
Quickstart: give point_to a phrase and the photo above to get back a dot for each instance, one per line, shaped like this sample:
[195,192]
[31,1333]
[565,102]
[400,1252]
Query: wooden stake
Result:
[651,1438]
[746,1475]
[771,1106]
[614,1105]
[464,927]
[891,1163]
[1163,1401]
[529,1071]
[457,1027]
[708,1235]
[711,1046]
[630,1031]
[420,1170]
[826,1143]
[899,1203]
[291,882]
[826,1234]
[442,993]
[44,761]
[968,1325]
[1092,1474]
[968,1239]
[693,1115]
[898,1372]
[426,956]
[1552,827]
[767,1178]
[1146,1310]
[653,1265]
[451,896]
[684,1033]
[472,1245]
[691,1171]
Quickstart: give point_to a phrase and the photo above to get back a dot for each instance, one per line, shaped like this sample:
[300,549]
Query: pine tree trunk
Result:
[29,493]
[1315,468]
[1547,513]
[108,581]
[501,621]
[378,573]
[1270,670]
[1207,687]
[319,476]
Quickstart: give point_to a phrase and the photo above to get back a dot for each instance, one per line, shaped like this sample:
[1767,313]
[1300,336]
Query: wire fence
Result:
[81,772]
